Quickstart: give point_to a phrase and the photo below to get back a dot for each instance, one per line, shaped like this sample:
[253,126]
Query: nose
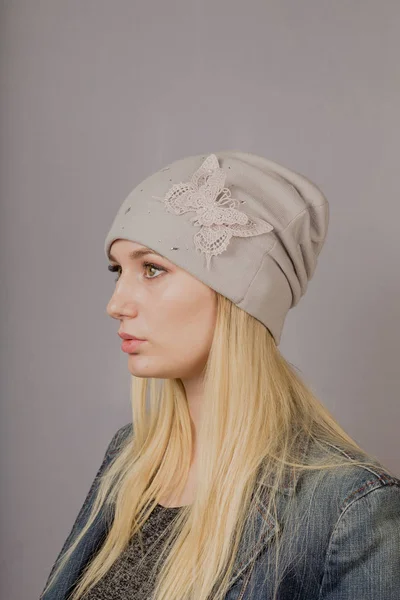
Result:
[121,304]
[112,310]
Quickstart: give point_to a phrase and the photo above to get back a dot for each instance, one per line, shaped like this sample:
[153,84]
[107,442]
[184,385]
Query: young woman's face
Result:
[172,310]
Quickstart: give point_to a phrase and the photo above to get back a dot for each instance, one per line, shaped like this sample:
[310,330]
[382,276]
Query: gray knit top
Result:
[132,576]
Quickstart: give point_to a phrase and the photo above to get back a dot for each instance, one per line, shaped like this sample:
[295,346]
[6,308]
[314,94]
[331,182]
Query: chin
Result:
[140,366]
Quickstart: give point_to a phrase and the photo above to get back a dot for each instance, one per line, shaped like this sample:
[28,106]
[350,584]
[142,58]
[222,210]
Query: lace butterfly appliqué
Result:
[216,210]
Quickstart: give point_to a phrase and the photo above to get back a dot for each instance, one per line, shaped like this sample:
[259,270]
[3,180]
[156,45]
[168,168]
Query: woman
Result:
[233,480]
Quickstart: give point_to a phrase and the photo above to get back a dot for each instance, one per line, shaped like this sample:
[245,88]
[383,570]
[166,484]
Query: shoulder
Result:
[119,438]
[337,489]
[336,513]
[360,512]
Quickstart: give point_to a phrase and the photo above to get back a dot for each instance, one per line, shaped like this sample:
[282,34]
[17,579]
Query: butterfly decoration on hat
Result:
[216,211]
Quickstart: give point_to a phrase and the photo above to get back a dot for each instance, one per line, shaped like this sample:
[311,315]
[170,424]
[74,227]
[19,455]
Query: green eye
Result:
[153,266]
[149,265]
[145,265]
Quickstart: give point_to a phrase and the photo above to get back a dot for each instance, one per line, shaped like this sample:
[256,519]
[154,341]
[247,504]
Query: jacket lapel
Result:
[263,526]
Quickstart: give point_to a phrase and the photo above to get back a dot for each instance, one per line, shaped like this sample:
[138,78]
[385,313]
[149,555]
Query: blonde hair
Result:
[254,408]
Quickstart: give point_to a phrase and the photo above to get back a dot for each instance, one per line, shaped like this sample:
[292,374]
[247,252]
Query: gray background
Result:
[97,95]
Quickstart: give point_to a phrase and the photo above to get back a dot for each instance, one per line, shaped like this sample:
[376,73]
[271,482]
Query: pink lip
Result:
[131,345]
[127,336]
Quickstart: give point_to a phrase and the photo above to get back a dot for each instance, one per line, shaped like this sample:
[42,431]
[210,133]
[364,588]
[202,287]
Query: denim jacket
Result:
[347,548]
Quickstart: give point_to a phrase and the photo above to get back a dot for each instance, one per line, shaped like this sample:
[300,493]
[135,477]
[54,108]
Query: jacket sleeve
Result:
[363,557]
[80,520]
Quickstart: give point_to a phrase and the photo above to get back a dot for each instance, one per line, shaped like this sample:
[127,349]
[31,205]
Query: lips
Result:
[130,346]
[127,336]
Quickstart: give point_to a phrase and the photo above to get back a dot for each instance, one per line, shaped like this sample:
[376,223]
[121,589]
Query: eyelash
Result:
[115,268]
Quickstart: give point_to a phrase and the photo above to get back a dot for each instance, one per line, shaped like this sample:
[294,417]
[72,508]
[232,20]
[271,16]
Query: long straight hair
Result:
[255,407]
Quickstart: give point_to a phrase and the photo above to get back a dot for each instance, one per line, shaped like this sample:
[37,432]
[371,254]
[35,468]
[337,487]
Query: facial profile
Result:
[163,304]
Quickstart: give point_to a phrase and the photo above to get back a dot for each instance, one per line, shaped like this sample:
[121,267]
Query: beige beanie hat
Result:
[244,225]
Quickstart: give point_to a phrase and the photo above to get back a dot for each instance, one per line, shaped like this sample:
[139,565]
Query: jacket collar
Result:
[262,525]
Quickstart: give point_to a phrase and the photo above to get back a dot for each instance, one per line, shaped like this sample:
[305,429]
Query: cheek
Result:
[187,322]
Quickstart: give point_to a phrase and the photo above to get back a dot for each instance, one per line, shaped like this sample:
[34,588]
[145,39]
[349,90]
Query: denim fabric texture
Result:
[347,546]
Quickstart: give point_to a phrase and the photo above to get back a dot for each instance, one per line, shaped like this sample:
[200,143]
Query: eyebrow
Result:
[134,254]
